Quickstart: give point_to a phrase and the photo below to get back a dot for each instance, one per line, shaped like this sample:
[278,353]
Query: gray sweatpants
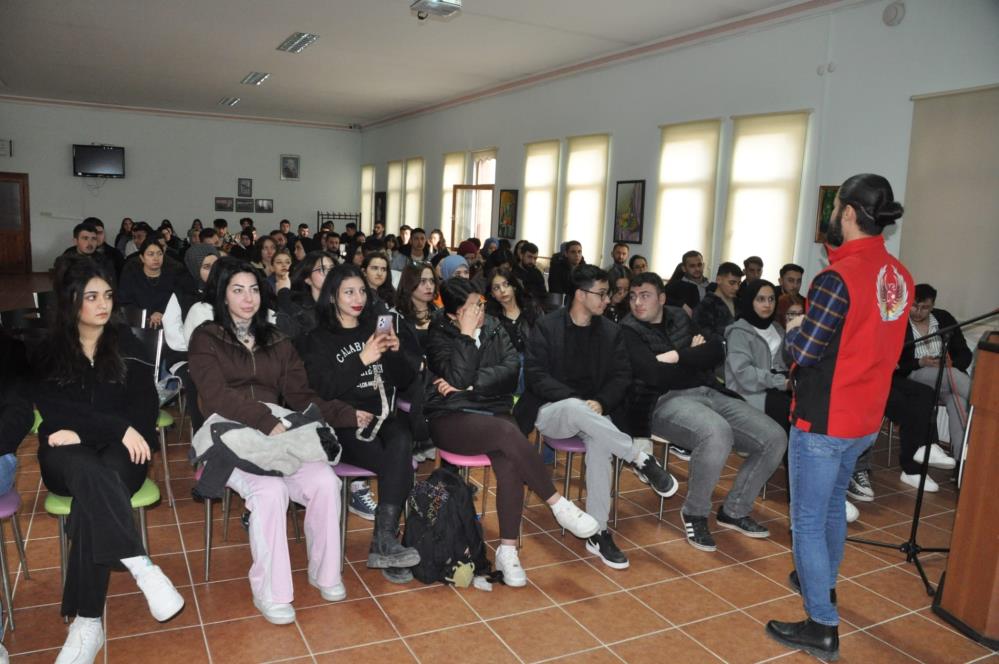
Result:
[710,424]
[572,417]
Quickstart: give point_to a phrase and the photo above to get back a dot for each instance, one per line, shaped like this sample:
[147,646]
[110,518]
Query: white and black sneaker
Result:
[860,488]
[681,453]
[698,533]
[602,545]
[661,481]
[747,525]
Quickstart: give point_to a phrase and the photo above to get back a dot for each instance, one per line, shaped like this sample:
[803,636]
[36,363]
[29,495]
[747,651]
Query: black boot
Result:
[793,580]
[397,574]
[821,641]
[385,549]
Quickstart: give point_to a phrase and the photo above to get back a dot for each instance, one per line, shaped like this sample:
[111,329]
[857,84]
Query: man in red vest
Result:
[844,349]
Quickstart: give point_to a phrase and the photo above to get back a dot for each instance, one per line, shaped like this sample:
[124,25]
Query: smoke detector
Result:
[442,8]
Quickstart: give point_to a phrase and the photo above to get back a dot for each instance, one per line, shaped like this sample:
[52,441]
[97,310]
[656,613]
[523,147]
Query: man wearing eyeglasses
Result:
[576,375]
[674,382]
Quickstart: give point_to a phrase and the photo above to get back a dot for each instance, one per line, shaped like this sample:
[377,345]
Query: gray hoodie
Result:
[748,362]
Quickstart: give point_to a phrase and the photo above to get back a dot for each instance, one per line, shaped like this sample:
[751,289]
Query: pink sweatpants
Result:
[316,486]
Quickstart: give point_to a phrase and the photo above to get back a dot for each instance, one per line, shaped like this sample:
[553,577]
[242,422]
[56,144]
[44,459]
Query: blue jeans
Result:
[8,466]
[820,469]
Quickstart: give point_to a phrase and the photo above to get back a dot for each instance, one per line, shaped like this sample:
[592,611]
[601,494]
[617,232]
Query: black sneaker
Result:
[860,488]
[793,580]
[602,544]
[661,481]
[746,525]
[681,453]
[698,533]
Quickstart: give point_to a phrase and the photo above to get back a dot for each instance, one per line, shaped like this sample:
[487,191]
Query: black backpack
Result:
[442,525]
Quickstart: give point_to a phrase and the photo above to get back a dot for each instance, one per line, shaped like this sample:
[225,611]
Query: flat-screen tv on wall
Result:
[98,161]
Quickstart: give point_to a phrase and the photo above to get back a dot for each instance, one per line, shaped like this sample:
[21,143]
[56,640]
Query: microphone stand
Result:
[911,547]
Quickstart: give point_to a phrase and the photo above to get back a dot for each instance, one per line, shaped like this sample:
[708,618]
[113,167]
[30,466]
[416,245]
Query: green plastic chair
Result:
[38,423]
[59,506]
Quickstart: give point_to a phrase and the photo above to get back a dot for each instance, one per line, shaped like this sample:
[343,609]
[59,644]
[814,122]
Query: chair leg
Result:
[19,540]
[616,490]
[182,402]
[166,466]
[891,432]
[226,503]
[485,490]
[208,536]
[344,497]
[294,520]
[63,549]
[7,597]
[143,531]
[662,501]
[568,478]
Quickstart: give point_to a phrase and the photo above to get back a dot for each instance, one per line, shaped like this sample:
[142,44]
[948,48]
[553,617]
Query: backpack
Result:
[443,526]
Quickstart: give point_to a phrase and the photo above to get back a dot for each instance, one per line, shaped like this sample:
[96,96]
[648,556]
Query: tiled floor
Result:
[674,604]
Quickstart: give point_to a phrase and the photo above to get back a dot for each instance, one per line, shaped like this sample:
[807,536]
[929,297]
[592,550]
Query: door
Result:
[15,224]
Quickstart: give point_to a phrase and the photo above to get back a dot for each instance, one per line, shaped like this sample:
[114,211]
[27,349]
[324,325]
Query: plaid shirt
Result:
[828,302]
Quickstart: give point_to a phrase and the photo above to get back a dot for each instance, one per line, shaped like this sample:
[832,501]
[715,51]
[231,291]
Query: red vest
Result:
[844,395]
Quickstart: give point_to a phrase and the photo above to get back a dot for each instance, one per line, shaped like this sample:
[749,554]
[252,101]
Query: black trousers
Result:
[100,525]
[777,406]
[390,455]
[910,406]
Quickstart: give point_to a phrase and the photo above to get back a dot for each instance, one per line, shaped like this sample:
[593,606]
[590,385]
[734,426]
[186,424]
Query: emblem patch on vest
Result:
[892,293]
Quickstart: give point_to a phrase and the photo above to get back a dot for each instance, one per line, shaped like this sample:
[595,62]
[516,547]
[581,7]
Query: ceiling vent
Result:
[228,101]
[442,8]
[297,42]
[255,78]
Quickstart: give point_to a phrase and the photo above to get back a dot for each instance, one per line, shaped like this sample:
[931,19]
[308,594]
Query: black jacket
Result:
[545,367]
[712,316]
[16,416]
[559,275]
[487,375]
[296,312]
[957,348]
[534,282]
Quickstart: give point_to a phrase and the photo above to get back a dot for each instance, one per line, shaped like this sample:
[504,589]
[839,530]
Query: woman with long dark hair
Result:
[149,284]
[296,305]
[262,254]
[240,364]
[378,276]
[509,303]
[436,246]
[415,298]
[469,410]
[350,359]
[124,235]
[94,391]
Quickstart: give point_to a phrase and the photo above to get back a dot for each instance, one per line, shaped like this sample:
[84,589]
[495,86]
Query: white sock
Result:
[359,485]
[640,459]
[137,565]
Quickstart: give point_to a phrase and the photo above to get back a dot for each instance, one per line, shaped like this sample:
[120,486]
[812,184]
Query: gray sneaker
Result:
[860,488]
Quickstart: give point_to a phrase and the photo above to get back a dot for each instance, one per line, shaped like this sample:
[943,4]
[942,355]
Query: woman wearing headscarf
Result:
[453,266]
[198,259]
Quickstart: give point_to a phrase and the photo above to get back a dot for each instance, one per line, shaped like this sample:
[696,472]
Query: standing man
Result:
[845,350]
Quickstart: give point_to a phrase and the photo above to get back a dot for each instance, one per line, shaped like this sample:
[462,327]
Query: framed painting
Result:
[508,199]
[244,187]
[263,205]
[244,205]
[827,198]
[629,209]
[379,214]
[223,204]
[291,167]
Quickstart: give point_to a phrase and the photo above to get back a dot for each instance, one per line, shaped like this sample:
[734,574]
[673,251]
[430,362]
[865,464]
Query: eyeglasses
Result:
[603,295]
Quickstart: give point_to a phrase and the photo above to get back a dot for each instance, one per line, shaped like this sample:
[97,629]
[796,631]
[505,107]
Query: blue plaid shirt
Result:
[828,302]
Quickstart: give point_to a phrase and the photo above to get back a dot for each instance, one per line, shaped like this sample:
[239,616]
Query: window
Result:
[393,198]
[685,201]
[585,193]
[413,210]
[454,173]
[540,194]
[367,196]
[480,202]
[767,157]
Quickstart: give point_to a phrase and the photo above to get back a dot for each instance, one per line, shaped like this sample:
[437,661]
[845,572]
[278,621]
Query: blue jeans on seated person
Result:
[8,467]
[820,472]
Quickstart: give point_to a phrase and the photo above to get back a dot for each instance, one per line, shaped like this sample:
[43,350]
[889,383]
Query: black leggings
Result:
[777,406]
[910,406]
[101,527]
[389,455]
[514,460]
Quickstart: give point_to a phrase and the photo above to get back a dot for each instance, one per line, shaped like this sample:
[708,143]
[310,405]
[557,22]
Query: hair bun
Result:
[888,213]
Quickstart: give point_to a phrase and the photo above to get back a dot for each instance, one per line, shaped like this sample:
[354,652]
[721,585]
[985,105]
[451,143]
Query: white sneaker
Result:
[852,513]
[164,600]
[508,562]
[4,655]
[938,458]
[84,641]
[573,519]
[275,613]
[913,481]
[335,593]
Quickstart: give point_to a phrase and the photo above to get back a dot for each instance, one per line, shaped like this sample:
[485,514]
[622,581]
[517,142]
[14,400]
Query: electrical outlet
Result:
[6,147]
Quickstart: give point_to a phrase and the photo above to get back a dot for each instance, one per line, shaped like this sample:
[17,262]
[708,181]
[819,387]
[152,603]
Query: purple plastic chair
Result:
[347,472]
[10,503]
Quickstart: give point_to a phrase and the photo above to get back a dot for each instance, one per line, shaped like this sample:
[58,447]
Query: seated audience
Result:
[379,277]
[378,231]
[331,245]
[508,302]
[349,233]
[198,259]
[453,266]
[93,387]
[285,228]
[243,249]
[790,279]
[753,267]
[149,284]
[415,297]
[562,266]
[674,379]
[716,311]
[619,259]
[347,359]
[280,277]
[280,239]
[355,254]
[436,245]
[789,307]
[682,293]
[618,307]
[693,273]
[105,249]
[530,276]
[413,253]
[211,236]
[16,416]
[296,303]
[577,373]
[124,235]
[404,232]
[173,246]
[469,411]
[637,264]
[85,243]
[299,249]
[140,232]
[391,246]
[263,255]
[240,363]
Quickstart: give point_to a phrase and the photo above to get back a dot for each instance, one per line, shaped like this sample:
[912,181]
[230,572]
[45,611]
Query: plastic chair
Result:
[347,472]
[10,503]
[571,447]
[153,342]
[20,319]
[134,316]
[465,465]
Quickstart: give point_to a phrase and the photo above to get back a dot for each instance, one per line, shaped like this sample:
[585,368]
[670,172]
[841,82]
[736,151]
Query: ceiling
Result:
[373,61]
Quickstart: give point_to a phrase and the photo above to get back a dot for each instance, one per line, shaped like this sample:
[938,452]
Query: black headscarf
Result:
[744,304]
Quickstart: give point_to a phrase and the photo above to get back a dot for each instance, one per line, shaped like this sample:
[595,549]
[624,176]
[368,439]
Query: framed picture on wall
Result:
[244,205]
[291,167]
[244,187]
[827,198]
[508,199]
[379,213]
[223,204]
[629,209]
[263,205]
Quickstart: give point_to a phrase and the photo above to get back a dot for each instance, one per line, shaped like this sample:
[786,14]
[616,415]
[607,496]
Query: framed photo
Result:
[508,199]
[244,187]
[223,204]
[244,205]
[379,215]
[629,211]
[827,198]
[263,205]
[291,167]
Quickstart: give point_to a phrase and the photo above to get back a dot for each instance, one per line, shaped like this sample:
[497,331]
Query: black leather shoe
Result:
[820,641]
[793,580]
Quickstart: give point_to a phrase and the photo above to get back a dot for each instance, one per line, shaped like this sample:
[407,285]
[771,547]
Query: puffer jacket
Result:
[486,375]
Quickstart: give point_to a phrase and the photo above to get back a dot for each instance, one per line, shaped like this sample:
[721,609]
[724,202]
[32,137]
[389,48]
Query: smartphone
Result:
[384,325]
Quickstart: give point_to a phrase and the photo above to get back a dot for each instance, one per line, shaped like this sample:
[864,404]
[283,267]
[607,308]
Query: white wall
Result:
[174,168]
[862,111]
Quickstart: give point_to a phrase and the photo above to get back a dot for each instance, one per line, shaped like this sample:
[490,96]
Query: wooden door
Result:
[15,224]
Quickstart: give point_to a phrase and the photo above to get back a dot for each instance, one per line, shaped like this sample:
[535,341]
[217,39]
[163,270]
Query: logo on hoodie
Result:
[892,293]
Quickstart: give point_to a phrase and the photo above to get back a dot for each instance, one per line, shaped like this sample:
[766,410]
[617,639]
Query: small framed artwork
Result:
[223,204]
[244,205]
[380,197]
[263,205]
[827,199]
[629,209]
[244,187]
[291,167]
[508,199]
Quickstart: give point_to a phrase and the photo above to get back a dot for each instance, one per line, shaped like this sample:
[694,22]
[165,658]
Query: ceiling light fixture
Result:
[255,78]
[228,101]
[427,8]
[297,42]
